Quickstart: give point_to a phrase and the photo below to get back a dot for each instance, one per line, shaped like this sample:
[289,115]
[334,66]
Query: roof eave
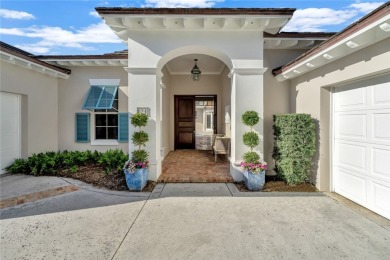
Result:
[349,40]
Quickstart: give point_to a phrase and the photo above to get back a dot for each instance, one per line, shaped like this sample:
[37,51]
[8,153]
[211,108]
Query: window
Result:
[209,121]
[106,122]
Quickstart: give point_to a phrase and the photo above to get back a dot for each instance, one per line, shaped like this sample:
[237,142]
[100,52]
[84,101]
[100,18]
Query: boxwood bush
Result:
[294,147]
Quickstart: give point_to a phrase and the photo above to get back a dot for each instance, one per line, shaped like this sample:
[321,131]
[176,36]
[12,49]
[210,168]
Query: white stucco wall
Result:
[226,92]
[39,106]
[276,96]
[72,93]
[165,114]
[310,94]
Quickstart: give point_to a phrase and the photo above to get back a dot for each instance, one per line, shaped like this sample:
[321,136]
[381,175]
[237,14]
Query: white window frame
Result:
[103,142]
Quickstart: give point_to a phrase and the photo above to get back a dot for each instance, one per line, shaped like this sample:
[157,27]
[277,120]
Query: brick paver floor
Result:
[194,166]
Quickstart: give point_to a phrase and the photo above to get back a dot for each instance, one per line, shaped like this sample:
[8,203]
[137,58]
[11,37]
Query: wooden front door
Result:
[184,122]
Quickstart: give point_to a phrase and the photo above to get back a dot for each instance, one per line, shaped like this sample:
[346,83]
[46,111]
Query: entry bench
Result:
[221,145]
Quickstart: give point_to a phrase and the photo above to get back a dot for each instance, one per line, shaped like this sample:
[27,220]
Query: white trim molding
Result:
[32,65]
[104,82]
[247,71]
[88,62]
[144,71]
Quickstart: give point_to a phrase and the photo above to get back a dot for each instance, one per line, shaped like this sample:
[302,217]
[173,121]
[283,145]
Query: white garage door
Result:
[9,129]
[361,157]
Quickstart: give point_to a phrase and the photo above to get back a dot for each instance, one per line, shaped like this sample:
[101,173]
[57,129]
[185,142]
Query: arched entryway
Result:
[192,112]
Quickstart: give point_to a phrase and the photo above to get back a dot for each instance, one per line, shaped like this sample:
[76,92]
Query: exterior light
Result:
[195,72]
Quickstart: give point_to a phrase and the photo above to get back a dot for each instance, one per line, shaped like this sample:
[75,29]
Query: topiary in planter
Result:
[254,170]
[294,147]
[136,168]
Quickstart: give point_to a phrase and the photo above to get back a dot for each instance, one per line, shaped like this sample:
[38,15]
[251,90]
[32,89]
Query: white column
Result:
[247,94]
[144,91]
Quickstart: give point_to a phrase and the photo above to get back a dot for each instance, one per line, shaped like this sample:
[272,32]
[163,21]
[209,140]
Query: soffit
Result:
[295,40]
[123,22]
[86,62]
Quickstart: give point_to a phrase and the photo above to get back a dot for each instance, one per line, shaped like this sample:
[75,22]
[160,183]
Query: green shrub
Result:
[139,156]
[74,169]
[50,163]
[295,146]
[113,160]
[251,157]
[19,166]
[139,119]
[43,163]
[250,118]
[251,139]
[140,138]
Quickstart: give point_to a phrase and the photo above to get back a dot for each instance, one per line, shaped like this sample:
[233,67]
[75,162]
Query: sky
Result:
[55,27]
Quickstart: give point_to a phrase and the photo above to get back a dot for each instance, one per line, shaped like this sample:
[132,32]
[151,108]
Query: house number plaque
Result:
[144,110]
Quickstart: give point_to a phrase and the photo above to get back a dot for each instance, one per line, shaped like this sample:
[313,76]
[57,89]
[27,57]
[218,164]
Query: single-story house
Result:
[81,102]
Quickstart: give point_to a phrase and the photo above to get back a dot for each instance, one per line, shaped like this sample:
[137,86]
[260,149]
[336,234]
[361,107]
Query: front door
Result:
[184,122]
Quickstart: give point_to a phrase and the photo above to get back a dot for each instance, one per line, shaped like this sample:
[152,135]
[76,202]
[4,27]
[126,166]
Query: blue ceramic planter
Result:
[137,180]
[254,182]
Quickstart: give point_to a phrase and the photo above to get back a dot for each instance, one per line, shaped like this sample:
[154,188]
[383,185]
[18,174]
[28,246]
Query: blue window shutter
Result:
[93,97]
[123,127]
[107,97]
[82,127]
[100,97]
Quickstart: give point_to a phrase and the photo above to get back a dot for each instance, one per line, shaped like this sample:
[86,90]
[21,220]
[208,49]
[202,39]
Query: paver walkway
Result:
[186,166]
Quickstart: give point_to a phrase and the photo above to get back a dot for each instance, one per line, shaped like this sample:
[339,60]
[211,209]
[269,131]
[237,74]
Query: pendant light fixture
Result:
[195,71]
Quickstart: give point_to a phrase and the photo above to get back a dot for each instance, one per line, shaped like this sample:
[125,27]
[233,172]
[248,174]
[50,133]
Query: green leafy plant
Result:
[139,156]
[294,146]
[251,157]
[19,166]
[250,118]
[112,160]
[140,138]
[73,169]
[139,119]
[251,139]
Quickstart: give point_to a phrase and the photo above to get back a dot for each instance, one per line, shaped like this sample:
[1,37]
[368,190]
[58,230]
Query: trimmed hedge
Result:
[294,147]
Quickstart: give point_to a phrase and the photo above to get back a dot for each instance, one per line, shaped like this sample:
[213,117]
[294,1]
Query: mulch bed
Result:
[95,175]
[274,184]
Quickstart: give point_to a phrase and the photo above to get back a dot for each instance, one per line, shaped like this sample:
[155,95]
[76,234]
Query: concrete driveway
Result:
[191,221]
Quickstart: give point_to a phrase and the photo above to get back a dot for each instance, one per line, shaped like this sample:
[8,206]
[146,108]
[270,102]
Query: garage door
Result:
[9,129]
[361,157]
